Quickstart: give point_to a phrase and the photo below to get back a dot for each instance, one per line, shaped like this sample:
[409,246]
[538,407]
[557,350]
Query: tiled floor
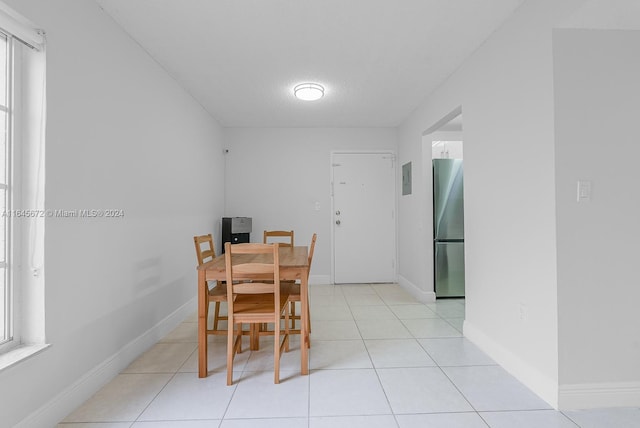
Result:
[378,359]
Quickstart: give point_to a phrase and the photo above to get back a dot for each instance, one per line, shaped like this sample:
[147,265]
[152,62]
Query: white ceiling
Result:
[378,59]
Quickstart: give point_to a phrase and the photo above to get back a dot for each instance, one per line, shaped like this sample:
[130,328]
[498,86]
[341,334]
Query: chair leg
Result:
[234,346]
[308,322]
[230,352]
[216,315]
[286,327]
[292,305]
[276,351]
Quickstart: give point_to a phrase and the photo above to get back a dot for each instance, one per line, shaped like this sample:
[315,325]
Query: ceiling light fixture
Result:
[308,91]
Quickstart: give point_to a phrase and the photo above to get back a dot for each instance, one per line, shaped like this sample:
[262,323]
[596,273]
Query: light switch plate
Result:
[584,190]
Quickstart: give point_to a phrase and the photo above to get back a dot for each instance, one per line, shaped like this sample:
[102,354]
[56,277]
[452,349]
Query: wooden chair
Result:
[205,252]
[283,237]
[294,293]
[257,302]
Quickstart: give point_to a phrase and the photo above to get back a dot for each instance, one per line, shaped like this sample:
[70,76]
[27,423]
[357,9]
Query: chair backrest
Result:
[312,247]
[205,250]
[283,237]
[258,263]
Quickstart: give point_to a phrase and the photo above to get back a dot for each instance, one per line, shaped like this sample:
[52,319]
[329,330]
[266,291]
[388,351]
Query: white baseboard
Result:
[540,383]
[420,294]
[70,398]
[597,395]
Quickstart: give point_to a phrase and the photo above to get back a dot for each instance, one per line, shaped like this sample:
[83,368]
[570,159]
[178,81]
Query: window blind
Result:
[20,28]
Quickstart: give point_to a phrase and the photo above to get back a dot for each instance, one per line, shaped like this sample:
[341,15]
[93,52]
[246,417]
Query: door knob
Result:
[338,222]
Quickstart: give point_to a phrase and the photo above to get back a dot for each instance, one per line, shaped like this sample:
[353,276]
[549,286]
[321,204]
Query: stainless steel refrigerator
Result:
[448,227]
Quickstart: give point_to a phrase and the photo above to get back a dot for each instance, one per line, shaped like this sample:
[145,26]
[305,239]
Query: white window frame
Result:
[8,291]
[24,162]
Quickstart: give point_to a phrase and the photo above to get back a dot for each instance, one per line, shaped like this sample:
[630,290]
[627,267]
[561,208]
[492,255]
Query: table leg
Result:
[254,336]
[203,301]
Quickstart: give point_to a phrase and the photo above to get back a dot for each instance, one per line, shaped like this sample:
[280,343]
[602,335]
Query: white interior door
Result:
[364,227]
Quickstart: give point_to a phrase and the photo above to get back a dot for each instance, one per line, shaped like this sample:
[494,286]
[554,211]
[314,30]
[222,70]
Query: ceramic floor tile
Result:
[372,313]
[606,418]
[162,358]
[217,358]
[450,311]
[122,399]
[185,332]
[266,423]
[448,308]
[324,290]
[455,351]
[334,330]
[528,419]
[363,299]
[377,421]
[187,396]
[95,425]
[398,298]
[263,358]
[407,312]
[256,396]
[176,424]
[327,300]
[492,388]
[457,323]
[421,390]
[383,329]
[427,328]
[357,289]
[456,311]
[339,354]
[346,392]
[161,388]
[387,353]
[386,286]
[330,313]
[443,420]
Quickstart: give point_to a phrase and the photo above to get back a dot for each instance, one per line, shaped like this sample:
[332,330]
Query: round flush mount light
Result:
[308,91]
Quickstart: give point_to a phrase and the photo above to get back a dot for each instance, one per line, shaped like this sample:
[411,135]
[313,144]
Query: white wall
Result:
[277,175]
[596,110]
[506,93]
[121,134]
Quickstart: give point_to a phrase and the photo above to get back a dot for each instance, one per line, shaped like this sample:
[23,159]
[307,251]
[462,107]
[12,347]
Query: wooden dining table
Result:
[294,265]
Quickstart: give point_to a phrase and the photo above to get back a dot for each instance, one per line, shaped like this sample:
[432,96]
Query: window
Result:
[21,187]
[5,155]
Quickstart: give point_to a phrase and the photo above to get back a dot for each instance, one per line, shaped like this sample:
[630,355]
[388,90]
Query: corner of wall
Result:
[540,383]
[420,295]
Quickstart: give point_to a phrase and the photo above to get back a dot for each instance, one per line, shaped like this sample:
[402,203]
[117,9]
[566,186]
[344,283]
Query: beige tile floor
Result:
[379,359]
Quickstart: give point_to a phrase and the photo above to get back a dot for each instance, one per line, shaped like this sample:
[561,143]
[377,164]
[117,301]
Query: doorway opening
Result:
[444,206]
